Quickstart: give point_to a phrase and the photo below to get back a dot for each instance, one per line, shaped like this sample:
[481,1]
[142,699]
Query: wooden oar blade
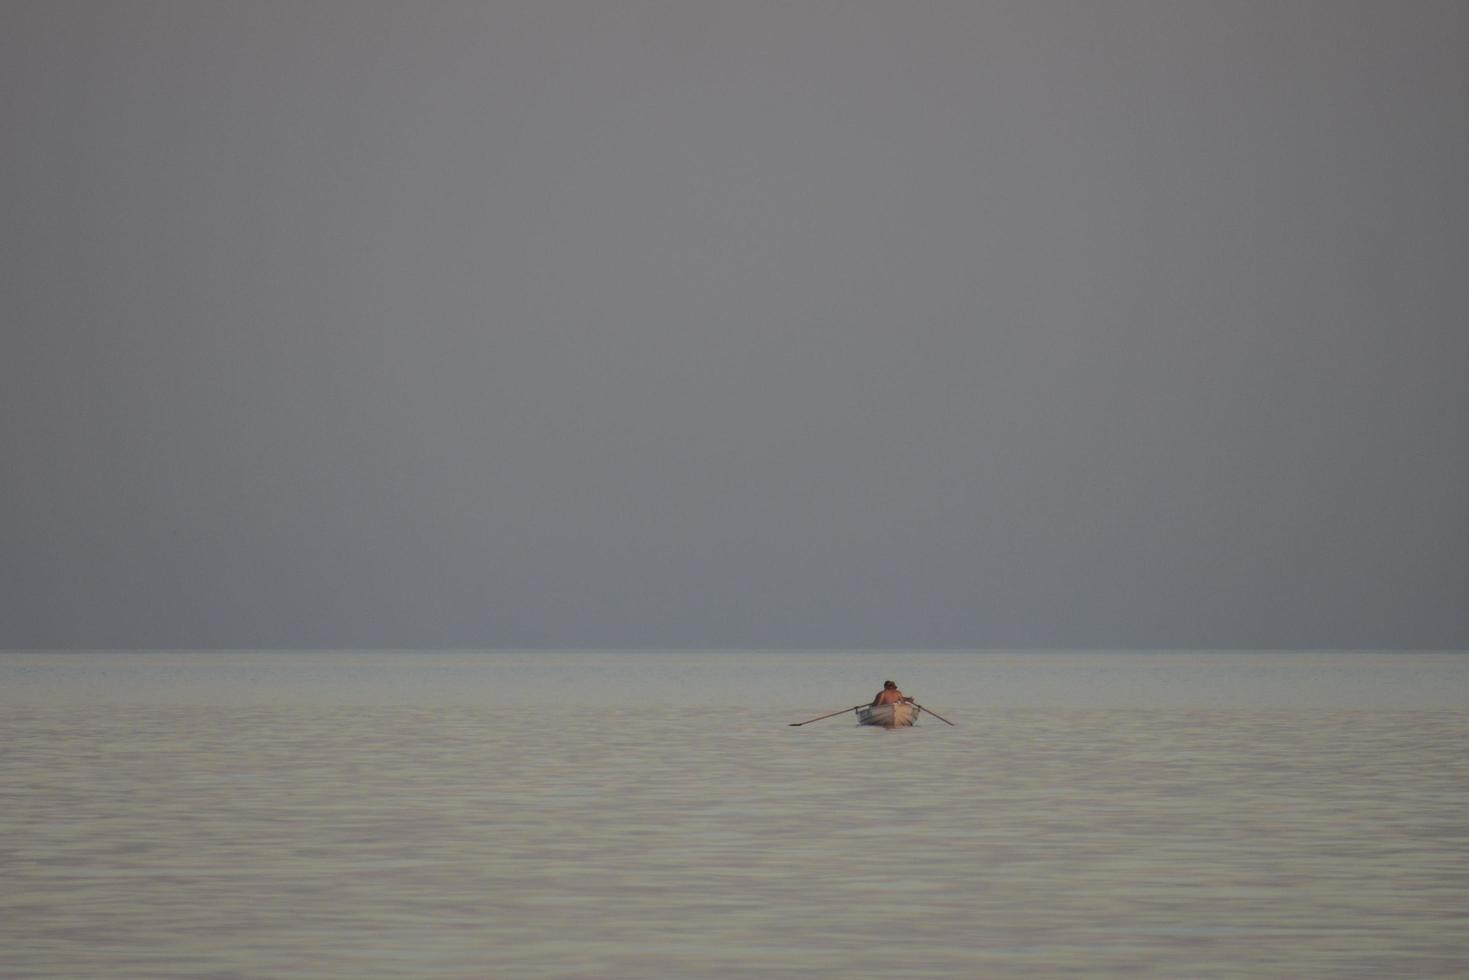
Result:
[935,714]
[796,724]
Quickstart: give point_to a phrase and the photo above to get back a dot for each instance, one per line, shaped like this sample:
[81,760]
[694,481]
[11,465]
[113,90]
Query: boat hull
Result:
[900,715]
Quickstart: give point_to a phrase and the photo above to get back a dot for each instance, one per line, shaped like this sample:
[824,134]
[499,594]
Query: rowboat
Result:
[899,714]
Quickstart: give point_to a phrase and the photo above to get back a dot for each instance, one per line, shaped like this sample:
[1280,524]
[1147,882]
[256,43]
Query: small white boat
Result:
[900,714]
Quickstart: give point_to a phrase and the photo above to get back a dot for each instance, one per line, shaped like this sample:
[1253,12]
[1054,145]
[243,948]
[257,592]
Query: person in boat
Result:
[890,695]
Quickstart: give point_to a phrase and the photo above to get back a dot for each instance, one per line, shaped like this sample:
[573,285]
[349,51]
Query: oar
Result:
[935,714]
[832,715]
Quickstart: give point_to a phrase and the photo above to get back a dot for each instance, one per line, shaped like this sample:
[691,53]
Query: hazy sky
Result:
[748,323]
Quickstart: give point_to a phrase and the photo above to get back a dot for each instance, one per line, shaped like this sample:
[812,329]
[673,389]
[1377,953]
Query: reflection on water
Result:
[434,840]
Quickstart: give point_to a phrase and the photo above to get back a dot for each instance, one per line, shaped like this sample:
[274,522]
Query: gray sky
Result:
[770,324]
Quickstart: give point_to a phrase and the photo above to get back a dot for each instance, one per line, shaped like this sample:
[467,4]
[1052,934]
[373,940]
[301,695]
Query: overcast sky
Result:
[735,324]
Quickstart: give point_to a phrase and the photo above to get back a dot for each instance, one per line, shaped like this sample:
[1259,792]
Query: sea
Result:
[638,814]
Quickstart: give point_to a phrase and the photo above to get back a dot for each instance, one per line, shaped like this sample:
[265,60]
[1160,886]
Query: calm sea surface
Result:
[654,815]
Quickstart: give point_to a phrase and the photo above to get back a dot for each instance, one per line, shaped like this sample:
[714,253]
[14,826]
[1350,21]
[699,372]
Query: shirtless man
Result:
[889,694]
